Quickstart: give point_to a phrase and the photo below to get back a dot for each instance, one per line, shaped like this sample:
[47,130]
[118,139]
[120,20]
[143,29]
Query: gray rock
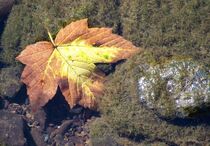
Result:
[175,87]
[10,81]
[12,129]
[5,7]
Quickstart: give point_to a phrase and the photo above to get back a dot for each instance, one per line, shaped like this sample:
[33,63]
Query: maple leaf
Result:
[69,62]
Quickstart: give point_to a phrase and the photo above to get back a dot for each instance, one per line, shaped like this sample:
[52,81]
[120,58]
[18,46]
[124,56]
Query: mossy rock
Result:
[178,25]
[182,24]
[123,112]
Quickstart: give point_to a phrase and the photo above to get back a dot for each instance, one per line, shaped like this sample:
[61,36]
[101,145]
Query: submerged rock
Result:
[174,87]
[12,129]
[9,81]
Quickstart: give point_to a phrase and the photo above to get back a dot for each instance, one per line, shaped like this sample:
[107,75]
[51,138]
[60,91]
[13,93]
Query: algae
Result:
[172,23]
[178,26]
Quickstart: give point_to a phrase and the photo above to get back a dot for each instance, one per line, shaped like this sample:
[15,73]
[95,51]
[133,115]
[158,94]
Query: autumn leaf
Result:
[68,62]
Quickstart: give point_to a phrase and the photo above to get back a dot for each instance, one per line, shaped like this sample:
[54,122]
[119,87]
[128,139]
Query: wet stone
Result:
[40,117]
[38,137]
[12,129]
[176,87]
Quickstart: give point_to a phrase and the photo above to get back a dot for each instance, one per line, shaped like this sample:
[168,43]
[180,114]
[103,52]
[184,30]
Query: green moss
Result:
[122,112]
[182,24]
[100,128]
[179,26]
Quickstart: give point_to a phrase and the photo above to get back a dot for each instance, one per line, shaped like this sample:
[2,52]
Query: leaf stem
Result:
[50,36]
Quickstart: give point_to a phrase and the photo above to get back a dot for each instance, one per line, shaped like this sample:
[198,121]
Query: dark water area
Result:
[2,25]
[202,118]
[58,110]
[56,113]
